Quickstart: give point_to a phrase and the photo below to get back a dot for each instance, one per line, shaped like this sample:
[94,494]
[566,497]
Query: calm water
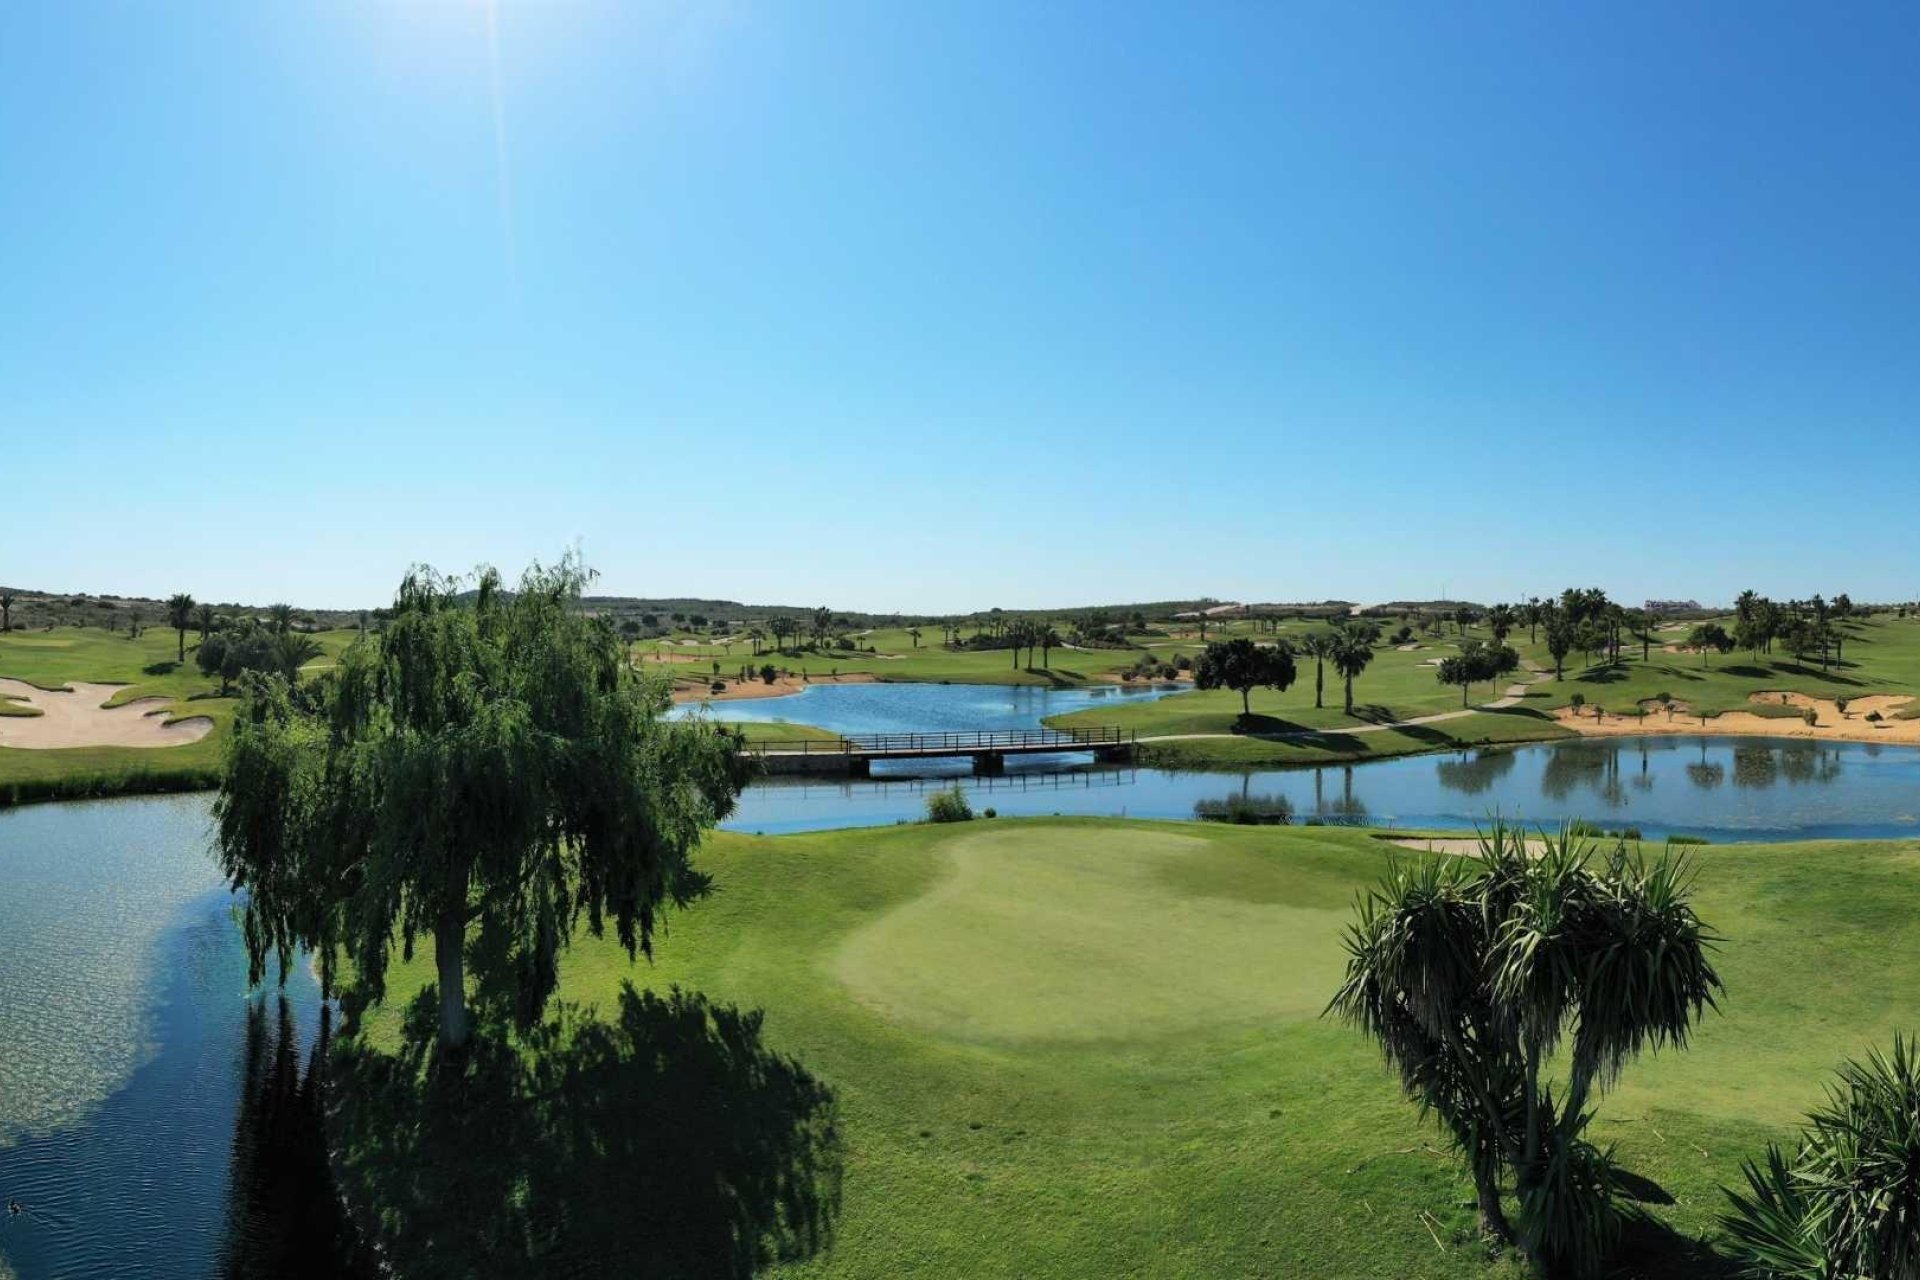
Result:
[1729,788]
[154,1119]
[1726,789]
[923,708]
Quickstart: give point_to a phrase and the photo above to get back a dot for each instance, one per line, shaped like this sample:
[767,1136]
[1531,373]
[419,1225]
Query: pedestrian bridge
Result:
[854,754]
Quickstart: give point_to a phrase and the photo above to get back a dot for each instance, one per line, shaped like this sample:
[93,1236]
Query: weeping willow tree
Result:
[487,773]
[1475,975]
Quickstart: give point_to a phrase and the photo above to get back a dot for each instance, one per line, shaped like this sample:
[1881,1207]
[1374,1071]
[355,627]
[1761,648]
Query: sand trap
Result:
[1852,727]
[78,717]
[782,686]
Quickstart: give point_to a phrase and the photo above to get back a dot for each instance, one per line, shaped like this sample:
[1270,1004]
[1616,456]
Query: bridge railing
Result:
[956,743]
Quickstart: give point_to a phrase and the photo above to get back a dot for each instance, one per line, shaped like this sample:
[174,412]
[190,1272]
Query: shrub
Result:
[1840,703]
[1246,810]
[989,812]
[1577,701]
[1687,840]
[1874,717]
[768,673]
[1847,1201]
[1183,663]
[1811,716]
[949,805]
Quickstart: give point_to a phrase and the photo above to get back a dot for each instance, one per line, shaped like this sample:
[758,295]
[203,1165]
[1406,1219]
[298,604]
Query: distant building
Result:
[1673,606]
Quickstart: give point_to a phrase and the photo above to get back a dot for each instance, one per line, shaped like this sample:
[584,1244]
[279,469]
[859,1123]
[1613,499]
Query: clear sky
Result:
[940,306]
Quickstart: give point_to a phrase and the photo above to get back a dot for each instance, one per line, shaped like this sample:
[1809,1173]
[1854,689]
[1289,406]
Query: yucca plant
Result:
[1847,1203]
[1472,973]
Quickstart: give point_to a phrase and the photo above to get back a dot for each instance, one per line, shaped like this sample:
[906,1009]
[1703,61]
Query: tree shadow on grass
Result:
[1649,1249]
[666,1142]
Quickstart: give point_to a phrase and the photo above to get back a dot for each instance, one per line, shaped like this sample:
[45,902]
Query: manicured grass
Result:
[1882,656]
[1482,728]
[148,667]
[1073,1048]
[897,658]
[784,731]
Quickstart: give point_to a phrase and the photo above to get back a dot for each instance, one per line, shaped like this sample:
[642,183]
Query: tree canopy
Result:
[1243,666]
[488,770]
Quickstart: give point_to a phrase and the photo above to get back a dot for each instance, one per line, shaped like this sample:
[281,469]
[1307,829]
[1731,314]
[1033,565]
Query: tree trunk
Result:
[1246,704]
[1493,1219]
[449,958]
[1319,681]
[1349,695]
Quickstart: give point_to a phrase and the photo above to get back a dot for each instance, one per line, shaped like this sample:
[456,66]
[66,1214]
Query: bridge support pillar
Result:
[859,766]
[989,763]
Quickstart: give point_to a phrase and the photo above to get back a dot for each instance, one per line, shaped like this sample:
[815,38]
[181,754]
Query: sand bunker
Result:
[1853,726]
[78,717]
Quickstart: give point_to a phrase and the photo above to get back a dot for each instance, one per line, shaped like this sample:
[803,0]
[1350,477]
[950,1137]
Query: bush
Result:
[1811,716]
[989,812]
[768,673]
[1183,663]
[718,686]
[1847,1200]
[1687,840]
[1874,717]
[1246,810]
[949,805]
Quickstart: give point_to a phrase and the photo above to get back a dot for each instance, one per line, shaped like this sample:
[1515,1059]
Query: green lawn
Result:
[147,667]
[1882,655]
[1092,1048]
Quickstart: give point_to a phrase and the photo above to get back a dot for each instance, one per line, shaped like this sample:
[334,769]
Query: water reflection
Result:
[1474,774]
[1784,789]
[284,1215]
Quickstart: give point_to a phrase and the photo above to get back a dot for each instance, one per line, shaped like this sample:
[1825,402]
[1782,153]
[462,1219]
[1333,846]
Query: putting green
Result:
[1090,934]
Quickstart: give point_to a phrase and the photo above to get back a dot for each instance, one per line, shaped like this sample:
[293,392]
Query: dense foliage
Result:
[1847,1201]
[488,770]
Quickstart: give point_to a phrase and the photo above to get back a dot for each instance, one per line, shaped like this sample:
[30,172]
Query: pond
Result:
[922,708]
[155,1119]
[1721,788]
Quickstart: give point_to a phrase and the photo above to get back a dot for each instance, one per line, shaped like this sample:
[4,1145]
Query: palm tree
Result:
[1049,638]
[822,624]
[914,632]
[6,610]
[1320,646]
[180,617]
[1350,654]
[1477,975]
[294,650]
[282,616]
[203,621]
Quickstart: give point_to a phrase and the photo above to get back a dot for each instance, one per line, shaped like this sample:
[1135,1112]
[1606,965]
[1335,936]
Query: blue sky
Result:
[944,306]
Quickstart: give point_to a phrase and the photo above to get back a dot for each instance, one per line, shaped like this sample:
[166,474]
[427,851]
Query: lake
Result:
[155,1119]
[1722,788]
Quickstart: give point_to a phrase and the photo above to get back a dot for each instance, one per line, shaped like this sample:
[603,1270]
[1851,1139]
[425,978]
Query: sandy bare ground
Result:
[782,686]
[1852,727]
[1459,846]
[78,717]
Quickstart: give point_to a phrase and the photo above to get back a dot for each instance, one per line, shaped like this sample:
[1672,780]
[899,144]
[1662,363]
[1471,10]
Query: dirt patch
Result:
[78,717]
[1828,720]
[782,686]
